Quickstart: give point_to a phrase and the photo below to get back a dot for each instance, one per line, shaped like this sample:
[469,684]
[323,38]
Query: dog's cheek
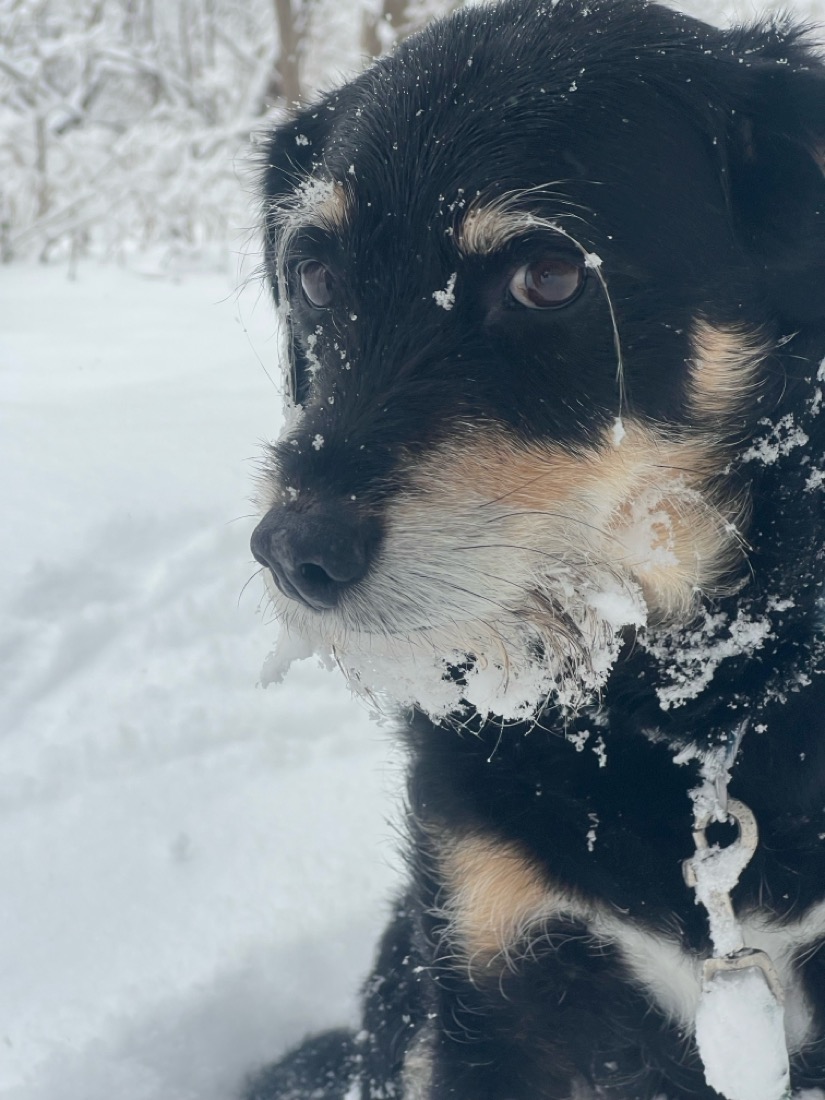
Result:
[638,502]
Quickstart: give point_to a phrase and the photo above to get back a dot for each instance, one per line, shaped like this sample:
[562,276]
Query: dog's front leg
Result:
[398,1008]
[555,1017]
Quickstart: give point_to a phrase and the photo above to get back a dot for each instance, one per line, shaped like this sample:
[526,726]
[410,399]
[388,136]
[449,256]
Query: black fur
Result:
[694,157]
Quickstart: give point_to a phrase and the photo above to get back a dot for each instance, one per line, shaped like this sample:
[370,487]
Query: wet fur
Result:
[548,946]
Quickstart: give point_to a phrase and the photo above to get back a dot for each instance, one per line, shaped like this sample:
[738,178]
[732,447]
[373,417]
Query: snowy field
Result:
[183,890]
[193,871]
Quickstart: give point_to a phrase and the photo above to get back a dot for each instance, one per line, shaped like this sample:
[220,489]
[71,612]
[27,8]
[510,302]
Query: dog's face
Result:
[521,265]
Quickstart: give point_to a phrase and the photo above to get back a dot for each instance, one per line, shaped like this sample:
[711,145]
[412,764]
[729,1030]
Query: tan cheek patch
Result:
[644,506]
[694,548]
[487,465]
[497,470]
[493,894]
[724,367]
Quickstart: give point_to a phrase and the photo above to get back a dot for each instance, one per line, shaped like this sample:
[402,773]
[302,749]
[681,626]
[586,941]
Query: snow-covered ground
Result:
[193,870]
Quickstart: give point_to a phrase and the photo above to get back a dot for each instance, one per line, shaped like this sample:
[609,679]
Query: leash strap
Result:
[740,1021]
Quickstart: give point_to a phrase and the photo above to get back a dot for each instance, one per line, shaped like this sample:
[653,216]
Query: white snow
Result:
[446,297]
[780,440]
[509,674]
[740,1032]
[689,660]
[592,832]
[194,871]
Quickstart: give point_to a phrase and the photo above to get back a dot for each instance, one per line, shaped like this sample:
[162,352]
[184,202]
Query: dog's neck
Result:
[753,661]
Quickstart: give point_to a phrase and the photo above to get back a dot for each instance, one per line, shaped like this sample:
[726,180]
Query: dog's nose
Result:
[314,555]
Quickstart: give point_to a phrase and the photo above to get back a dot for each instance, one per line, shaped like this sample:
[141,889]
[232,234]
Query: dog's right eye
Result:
[547,284]
[317,284]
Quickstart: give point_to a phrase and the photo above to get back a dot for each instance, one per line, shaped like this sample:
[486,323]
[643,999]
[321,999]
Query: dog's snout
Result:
[314,555]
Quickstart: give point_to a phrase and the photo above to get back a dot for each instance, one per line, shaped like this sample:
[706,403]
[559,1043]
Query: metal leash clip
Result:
[747,839]
[745,959]
[740,1019]
[716,898]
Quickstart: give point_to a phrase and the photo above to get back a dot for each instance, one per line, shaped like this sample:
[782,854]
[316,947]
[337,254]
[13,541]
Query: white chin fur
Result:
[517,659]
[512,671]
[525,580]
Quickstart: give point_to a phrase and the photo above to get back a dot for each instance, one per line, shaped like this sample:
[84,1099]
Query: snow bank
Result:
[184,886]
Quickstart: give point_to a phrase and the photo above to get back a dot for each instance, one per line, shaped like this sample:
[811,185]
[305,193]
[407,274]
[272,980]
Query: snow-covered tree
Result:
[125,124]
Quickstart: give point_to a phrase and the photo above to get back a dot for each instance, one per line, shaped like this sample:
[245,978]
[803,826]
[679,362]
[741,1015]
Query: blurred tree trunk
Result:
[397,19]
[286,79]
[380,30]
[392,17]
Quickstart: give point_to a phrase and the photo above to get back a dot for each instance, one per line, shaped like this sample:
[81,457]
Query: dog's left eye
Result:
[317,283]
[548,283]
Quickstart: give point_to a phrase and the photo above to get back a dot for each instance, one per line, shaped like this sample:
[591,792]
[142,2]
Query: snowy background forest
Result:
[193,871]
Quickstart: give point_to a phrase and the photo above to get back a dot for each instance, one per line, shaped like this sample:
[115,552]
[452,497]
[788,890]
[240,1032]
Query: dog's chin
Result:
[551,651]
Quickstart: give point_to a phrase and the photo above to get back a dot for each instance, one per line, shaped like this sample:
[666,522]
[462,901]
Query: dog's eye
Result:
[317,283]
[548,283]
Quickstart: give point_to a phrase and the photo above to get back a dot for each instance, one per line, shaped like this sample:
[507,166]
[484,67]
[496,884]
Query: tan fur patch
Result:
[646,505]
[319,203]
[724,367]
[495,897]
[493,894]
[327,208]
[417,1071]
[489,228]
[333,212]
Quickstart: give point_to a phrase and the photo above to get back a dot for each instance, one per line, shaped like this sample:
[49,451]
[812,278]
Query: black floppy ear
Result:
[776,161]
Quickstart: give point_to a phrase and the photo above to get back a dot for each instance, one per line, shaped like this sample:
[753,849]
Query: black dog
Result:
[553,279]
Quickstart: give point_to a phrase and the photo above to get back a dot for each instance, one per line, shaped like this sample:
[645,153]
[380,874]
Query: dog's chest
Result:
[673,976]
[498,905]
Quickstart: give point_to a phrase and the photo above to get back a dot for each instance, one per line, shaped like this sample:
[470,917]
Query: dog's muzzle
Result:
[316,552]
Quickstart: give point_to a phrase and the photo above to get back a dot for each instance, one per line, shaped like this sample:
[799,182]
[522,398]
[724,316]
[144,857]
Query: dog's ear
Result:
[776,165]
[293,151]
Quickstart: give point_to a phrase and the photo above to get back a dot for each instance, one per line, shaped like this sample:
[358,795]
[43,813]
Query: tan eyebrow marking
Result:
[490,224]
[315,202]
[488,229]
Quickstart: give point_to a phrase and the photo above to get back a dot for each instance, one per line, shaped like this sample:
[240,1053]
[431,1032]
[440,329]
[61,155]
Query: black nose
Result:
[315,554]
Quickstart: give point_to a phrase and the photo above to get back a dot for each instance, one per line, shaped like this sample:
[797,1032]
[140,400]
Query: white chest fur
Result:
[673,976]
[496,898]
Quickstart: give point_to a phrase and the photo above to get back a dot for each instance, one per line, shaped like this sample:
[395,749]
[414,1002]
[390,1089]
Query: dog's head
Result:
[534,270]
